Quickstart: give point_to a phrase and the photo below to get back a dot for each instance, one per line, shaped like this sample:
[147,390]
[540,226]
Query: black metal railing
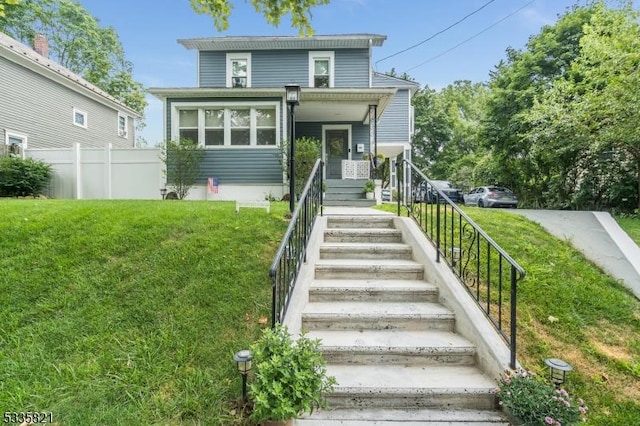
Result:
[293,247]
[487,272]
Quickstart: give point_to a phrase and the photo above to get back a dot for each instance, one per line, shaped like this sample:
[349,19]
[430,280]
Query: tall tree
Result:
[77,42]
[273,11]
[4,3]
[594,113]
[514,85]
[432,129]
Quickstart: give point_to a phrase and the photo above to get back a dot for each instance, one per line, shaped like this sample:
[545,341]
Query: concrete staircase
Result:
[346,192]
[388,341]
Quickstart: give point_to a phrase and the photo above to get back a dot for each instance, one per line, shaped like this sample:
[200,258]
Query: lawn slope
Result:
[129,312]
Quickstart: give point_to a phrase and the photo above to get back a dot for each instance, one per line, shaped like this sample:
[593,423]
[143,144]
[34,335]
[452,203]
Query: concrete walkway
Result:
[598,236]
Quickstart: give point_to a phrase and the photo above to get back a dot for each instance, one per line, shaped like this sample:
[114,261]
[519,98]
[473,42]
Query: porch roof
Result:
[316,105]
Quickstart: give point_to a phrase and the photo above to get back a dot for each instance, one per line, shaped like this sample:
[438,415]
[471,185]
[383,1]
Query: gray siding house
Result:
[44,105]
[239,115]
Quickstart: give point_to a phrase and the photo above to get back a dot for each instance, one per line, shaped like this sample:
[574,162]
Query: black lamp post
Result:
[558,370]
[243,361]
[163,192]
[293,99]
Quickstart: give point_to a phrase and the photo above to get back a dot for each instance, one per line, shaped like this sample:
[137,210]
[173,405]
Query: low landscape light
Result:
[558,370]
[243,362]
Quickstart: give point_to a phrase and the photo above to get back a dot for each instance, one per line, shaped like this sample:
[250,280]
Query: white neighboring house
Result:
[44,105]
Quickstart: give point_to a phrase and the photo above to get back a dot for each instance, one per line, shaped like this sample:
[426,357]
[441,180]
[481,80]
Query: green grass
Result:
[631,225]
[129,312]
[569,309]
[126,312]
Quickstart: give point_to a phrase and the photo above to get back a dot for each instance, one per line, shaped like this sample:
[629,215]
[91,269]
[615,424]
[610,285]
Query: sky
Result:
[469,50]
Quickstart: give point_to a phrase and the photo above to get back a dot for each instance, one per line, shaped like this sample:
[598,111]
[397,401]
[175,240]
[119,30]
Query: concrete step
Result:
[404,417]
[376,316]
[345,183]
[355,269]
[396,386]
[345,192]
[372,291]
[356,202]
[396,347]
[363,235]
[360,222]
[365,251]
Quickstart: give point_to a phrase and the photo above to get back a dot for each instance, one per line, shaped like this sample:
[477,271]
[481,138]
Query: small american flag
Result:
[212,185]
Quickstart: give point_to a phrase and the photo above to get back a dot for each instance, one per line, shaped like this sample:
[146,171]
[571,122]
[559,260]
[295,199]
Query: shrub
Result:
[22,177]
[182,160]
[307,152]
[537,403]
[290,377]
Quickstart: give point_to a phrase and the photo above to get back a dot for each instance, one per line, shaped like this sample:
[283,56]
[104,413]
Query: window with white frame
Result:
[214,127]
[232,125]
[123,125]
[188,125]
[238,70]
[16,142]
[321,69]
[79,118]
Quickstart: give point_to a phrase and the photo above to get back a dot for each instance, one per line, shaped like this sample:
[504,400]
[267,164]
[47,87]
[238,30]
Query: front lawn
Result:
[129,312]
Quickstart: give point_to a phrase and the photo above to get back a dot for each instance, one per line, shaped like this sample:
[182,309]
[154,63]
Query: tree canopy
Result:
[77,42]
[273,11]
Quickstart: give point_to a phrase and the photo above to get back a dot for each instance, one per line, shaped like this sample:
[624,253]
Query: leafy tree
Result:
[273,10]
[182,160]
[77,42]
[4,3]
[514,85]
[587,122]
[432,128]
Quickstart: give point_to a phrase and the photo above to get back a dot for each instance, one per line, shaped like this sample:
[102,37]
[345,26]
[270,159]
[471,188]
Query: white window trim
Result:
[235,56]
[124,134]
[86,118]
[201,106]
[321,55]
[11,134]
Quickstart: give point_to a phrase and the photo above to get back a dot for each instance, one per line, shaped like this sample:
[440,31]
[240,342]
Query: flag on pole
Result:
[212,185]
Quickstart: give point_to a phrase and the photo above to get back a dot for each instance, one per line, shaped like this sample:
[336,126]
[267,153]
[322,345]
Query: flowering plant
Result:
[537,403]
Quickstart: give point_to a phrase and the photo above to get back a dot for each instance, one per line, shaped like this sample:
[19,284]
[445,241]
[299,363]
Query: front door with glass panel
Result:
[337,148]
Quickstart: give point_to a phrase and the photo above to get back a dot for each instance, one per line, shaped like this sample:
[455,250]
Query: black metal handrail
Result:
[293,247]
[486,271]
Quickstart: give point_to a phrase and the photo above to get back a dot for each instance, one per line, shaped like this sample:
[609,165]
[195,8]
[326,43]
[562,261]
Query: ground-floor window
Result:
[234,125]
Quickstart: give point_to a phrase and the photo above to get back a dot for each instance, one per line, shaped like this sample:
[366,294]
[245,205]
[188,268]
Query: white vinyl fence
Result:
[103,173]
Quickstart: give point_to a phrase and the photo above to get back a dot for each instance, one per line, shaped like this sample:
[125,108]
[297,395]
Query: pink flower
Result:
[548,420]
[583,410]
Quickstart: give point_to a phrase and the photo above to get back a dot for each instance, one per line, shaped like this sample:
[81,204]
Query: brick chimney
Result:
[41,45]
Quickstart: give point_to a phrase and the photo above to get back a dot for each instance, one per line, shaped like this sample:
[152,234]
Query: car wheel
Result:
[480,203]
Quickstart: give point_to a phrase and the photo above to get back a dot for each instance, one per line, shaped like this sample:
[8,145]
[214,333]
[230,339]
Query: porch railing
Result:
[485,270]
[355,169]
[293,247]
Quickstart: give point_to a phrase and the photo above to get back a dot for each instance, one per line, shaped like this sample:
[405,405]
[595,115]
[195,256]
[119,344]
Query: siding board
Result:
[43,110]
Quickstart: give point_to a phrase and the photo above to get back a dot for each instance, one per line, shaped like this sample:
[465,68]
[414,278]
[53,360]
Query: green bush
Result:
[290,376]
[307,152]
[20,177]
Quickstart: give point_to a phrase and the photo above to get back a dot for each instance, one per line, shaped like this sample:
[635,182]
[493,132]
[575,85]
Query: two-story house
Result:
[238,110]
[44,105]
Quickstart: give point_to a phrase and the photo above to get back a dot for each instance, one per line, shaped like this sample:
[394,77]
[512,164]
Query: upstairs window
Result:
[321,69]
[123,126]
[238,70]
[79,118]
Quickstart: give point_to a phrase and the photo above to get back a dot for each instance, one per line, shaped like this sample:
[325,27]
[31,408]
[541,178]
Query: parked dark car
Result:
[491,196]
[425,193]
